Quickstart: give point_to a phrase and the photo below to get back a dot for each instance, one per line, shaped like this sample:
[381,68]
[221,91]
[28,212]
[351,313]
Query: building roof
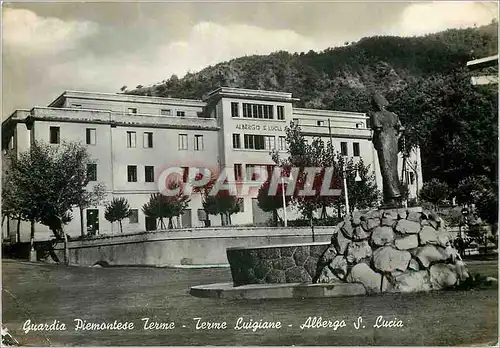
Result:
[125,98]
[483,62]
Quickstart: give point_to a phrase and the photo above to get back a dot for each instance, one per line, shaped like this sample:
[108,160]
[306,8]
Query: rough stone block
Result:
[382,235]
[347,229]
[357,251]
[362,273]
[443,276]
[327,276]
[402,213]
[388,259]
[360,234]
[414,216]
[407,226]
[297,275]
[328,255]
[406,243]
[341,242]
[412,282]
[388,221]
[339,266]
[356,218]
[370,224]
[428,235]
[413,265]
[431,253]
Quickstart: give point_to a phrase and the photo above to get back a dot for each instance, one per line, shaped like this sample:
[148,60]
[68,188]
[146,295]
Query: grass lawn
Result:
[43,293]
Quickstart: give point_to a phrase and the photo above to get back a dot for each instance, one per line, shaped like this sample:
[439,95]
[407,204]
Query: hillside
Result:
[324,79]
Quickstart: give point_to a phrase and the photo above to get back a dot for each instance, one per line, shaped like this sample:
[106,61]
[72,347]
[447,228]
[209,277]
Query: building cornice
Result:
[329,113]
[251,94]
[131,98]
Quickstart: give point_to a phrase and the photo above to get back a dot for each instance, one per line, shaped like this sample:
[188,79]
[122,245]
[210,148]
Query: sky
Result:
[100,46]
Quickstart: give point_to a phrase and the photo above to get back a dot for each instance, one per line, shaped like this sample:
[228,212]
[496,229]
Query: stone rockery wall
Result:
[392,251]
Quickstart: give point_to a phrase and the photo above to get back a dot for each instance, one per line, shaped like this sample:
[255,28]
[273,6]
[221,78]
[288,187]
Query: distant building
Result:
[486,68]
[133,138]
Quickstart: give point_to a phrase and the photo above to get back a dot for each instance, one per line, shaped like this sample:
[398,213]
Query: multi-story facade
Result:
[134,138]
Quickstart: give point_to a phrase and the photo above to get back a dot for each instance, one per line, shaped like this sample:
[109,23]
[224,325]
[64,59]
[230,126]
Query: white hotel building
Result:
[133,138]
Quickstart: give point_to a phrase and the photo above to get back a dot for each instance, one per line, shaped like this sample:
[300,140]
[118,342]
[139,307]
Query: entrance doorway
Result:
[92,221]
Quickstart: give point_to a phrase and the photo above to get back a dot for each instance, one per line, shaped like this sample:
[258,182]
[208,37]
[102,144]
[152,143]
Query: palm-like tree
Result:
[166,207]
[117,210]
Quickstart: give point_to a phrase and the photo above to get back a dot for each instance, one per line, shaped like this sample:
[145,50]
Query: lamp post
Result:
[465,214]
[284,201]
[346,194]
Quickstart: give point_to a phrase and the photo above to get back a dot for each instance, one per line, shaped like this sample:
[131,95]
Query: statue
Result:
[387,130]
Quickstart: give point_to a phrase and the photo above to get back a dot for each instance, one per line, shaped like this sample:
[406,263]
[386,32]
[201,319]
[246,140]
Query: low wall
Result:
[197,246]
[286,263]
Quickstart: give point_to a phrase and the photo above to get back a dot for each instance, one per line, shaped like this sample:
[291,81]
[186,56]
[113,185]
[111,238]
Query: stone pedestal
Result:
[392,250]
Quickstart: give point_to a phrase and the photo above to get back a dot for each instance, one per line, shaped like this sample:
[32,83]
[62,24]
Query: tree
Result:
[434,192]
[319,155]
[363,194]
[483,193]
[269,202]
[451,120]
[48,182]
[222,203]
[117,210]
[166,206]
[88,199]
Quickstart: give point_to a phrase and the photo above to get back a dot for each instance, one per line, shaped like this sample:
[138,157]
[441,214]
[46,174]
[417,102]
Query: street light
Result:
[283,197]
[356,179]
[465,214]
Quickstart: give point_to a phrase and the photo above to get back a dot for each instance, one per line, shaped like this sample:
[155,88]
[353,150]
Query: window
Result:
[269,142]
[132,110]
[90,136]
[281,143]
[254,142]
[92,171]
[238,172]
[257,111]
[54,135]
[234,110]
[320,123]
[133,218]
[281,112]
[236,141]
[130,139]
[149,174]
[343,148]
[181,113]
[147,139]
[355,149]
[132,173]
[183,141]
[166,112]
[412,178]
[198,142]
